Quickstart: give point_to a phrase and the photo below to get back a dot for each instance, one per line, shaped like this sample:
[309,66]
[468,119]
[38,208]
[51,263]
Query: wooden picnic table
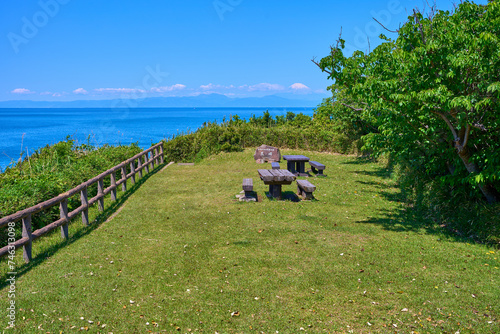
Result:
[296,164]
[275,178]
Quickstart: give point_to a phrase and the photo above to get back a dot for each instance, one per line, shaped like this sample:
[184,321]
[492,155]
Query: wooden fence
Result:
[146,160]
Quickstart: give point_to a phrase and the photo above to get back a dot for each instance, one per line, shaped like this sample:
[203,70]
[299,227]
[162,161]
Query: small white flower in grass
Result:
[132,302]
[368,323]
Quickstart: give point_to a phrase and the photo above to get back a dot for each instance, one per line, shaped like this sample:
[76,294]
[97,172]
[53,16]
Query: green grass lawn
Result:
[183,255]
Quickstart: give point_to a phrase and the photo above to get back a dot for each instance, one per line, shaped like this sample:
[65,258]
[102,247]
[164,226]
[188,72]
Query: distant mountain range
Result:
[200,101]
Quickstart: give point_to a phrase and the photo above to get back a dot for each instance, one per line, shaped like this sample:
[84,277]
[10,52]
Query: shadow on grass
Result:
[470,222]
[363,160]
[454,226]
[81,232]
[383,172]
[404,220]
[285,196]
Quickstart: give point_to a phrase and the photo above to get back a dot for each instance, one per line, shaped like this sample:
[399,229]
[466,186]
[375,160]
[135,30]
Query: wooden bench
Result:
[248,187]
[305,189]
[317,166]
[247,195]
[275,165]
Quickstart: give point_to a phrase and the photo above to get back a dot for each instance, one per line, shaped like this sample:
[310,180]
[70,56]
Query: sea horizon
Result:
[26,130]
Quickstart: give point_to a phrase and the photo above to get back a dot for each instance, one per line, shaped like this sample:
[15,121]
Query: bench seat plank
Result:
[247,185]
[306,185]
[305,189]
[317,165]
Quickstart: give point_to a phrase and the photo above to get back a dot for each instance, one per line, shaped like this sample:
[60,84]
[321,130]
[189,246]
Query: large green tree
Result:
[432,92]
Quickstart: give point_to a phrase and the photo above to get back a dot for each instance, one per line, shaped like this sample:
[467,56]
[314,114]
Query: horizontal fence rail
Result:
[146,160]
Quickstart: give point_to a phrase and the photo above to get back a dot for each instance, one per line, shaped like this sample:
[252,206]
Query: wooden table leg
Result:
[290,165]
[300,167]
[275,190]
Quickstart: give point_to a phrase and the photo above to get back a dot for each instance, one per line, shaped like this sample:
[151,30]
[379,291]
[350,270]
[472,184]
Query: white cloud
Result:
[263,87]
[299,86]
[46,93]
[120,90]
[21,91]
[56,95]
[211,86]
[168,88]
[80,91]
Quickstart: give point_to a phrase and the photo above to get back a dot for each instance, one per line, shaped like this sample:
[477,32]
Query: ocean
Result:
[26,130]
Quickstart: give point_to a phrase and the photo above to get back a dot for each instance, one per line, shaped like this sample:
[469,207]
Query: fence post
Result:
[100,192]
[139,165]
[85,201]
[145,156]
[27,234]
[132,170]
[124,178]
[162,155]
[152,160]
[63,209]
[113,185]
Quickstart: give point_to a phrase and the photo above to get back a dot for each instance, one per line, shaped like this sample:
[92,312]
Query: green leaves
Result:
[433,93]
[493,87]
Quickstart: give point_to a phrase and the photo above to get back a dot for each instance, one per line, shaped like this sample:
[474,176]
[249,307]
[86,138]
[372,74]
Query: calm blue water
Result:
[29,129]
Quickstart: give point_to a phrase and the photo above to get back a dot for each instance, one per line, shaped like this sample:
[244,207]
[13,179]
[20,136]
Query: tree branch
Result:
[322,69]
[421,28]
[332,52]
[394,31]
[351,107]
[466,137]
[479,126]
[450,126]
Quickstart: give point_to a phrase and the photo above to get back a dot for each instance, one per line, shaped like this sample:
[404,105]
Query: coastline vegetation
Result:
[289,131]
[52,170]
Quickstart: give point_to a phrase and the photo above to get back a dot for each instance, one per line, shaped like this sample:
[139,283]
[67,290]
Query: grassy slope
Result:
[188,256]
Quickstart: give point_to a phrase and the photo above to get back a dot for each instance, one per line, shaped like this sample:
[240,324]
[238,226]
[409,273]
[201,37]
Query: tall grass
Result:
[52,170]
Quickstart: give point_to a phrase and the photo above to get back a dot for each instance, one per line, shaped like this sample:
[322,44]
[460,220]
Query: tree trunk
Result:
[487,189]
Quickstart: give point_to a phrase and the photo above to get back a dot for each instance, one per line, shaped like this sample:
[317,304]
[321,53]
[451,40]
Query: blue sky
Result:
[75,49]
